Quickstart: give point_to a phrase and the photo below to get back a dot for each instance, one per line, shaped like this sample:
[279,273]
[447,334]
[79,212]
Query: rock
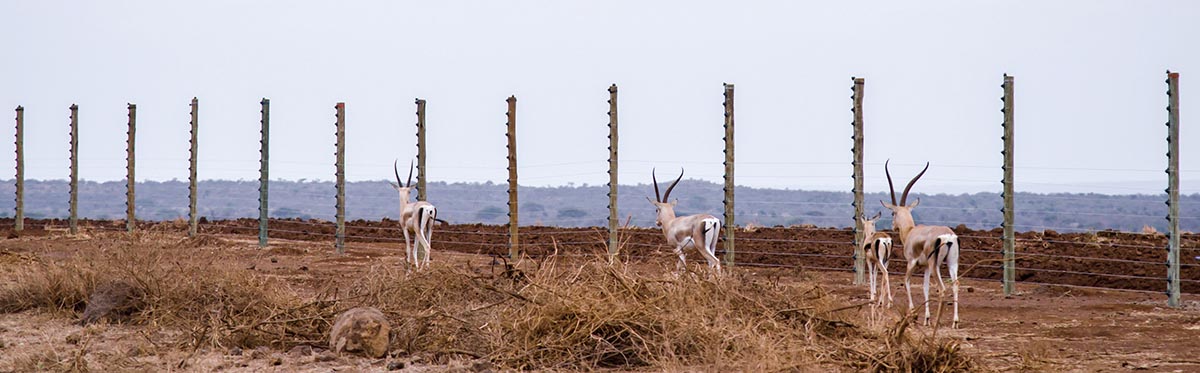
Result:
[273,260]
[115,301]
[301,351]
[236,351]
[259,352]
[360,330]
[325,356]
[276,359]
[395,365]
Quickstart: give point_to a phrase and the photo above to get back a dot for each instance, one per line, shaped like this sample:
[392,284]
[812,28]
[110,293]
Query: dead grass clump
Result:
[60,287]
[194,291]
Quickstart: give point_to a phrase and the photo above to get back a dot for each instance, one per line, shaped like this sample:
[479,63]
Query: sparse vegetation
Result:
[575,315]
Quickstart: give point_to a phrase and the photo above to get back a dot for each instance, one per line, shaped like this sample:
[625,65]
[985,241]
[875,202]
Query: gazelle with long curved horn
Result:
[877,247]
[701,230]
[924,245]
[416,216]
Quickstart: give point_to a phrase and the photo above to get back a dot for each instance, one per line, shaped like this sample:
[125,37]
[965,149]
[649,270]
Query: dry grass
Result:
[580,315]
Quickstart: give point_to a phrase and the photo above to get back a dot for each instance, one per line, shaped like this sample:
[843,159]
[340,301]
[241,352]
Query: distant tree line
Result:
[587,205]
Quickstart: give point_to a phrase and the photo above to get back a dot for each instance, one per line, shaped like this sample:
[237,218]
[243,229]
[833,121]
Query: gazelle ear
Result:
[888,206]
[877,215]
[674,202]
[649,200]
[394,186]
[915,203]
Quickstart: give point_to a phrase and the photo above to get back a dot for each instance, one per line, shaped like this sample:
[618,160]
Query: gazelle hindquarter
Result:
[877,248]
[701,230]
[924,245]
[417,217]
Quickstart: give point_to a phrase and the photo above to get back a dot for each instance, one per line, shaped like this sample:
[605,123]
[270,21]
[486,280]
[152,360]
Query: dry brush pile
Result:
[574,315]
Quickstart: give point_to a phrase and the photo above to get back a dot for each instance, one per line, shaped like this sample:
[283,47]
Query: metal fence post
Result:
[513,249]
[73,221]
[264,171]
[613,219]
[192,221]
[1173,189]
[857,99]
[340,234]
[730,225]
[1010,243]
[130,215]
[421,195]
[19,223]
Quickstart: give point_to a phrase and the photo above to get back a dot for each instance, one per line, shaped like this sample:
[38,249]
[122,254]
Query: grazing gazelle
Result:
[700,231]
[924,245]
[877,248]
[418,217]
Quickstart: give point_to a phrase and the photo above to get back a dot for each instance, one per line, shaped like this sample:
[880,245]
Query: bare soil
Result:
[1040,328]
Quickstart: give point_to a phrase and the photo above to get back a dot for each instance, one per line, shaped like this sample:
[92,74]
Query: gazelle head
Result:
[869,223]
[404,188]
[902,212]
[664,209]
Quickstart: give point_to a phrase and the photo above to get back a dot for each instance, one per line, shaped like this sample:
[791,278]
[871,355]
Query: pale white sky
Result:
[1089,75]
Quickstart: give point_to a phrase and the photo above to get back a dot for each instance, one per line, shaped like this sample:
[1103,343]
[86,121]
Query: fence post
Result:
[613,219]
[264,171]
[73,221]
[19,223]
[421,196]
[730,225]
[513,250]
[130,216]
[192,169]
[1173,189]
[1010,243]
[857,99]
[340,234]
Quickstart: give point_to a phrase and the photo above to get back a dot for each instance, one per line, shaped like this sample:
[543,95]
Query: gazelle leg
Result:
[871,280]
[912,264]
[887,284]
[925,288]
[952,266]
[682,265]
[408,250]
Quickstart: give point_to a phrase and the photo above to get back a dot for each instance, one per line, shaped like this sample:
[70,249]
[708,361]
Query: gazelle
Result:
[877,249]
[700,231]
[924,245]
[417,216]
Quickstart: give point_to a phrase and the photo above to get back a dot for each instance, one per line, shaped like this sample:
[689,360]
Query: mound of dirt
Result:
[361,330]
[114,301]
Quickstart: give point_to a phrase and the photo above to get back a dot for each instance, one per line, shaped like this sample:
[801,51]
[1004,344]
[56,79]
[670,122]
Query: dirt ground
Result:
[1040,328]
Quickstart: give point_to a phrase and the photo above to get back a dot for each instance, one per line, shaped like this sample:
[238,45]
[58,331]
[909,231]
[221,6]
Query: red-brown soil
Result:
[1040,327]
[1107,259]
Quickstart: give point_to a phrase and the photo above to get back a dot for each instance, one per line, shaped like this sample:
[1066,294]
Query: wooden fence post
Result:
[195,122]
[130,181]
[19,223]
[421,194]
[613,219]
[264,171]
[1010,243]
[340,234]
[1172,189]
[513,249]
[857,163]
[73,221]
[730,225]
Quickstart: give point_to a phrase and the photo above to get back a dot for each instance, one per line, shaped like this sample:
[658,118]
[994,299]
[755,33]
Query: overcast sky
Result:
[1089,84]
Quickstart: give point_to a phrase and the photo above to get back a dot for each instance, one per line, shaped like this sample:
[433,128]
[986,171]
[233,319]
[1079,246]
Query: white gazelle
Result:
[701,230]
[924,245]
[417,217]
[877,249]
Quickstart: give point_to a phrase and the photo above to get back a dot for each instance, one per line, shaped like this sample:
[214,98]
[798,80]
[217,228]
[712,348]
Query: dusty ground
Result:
[1046,328]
